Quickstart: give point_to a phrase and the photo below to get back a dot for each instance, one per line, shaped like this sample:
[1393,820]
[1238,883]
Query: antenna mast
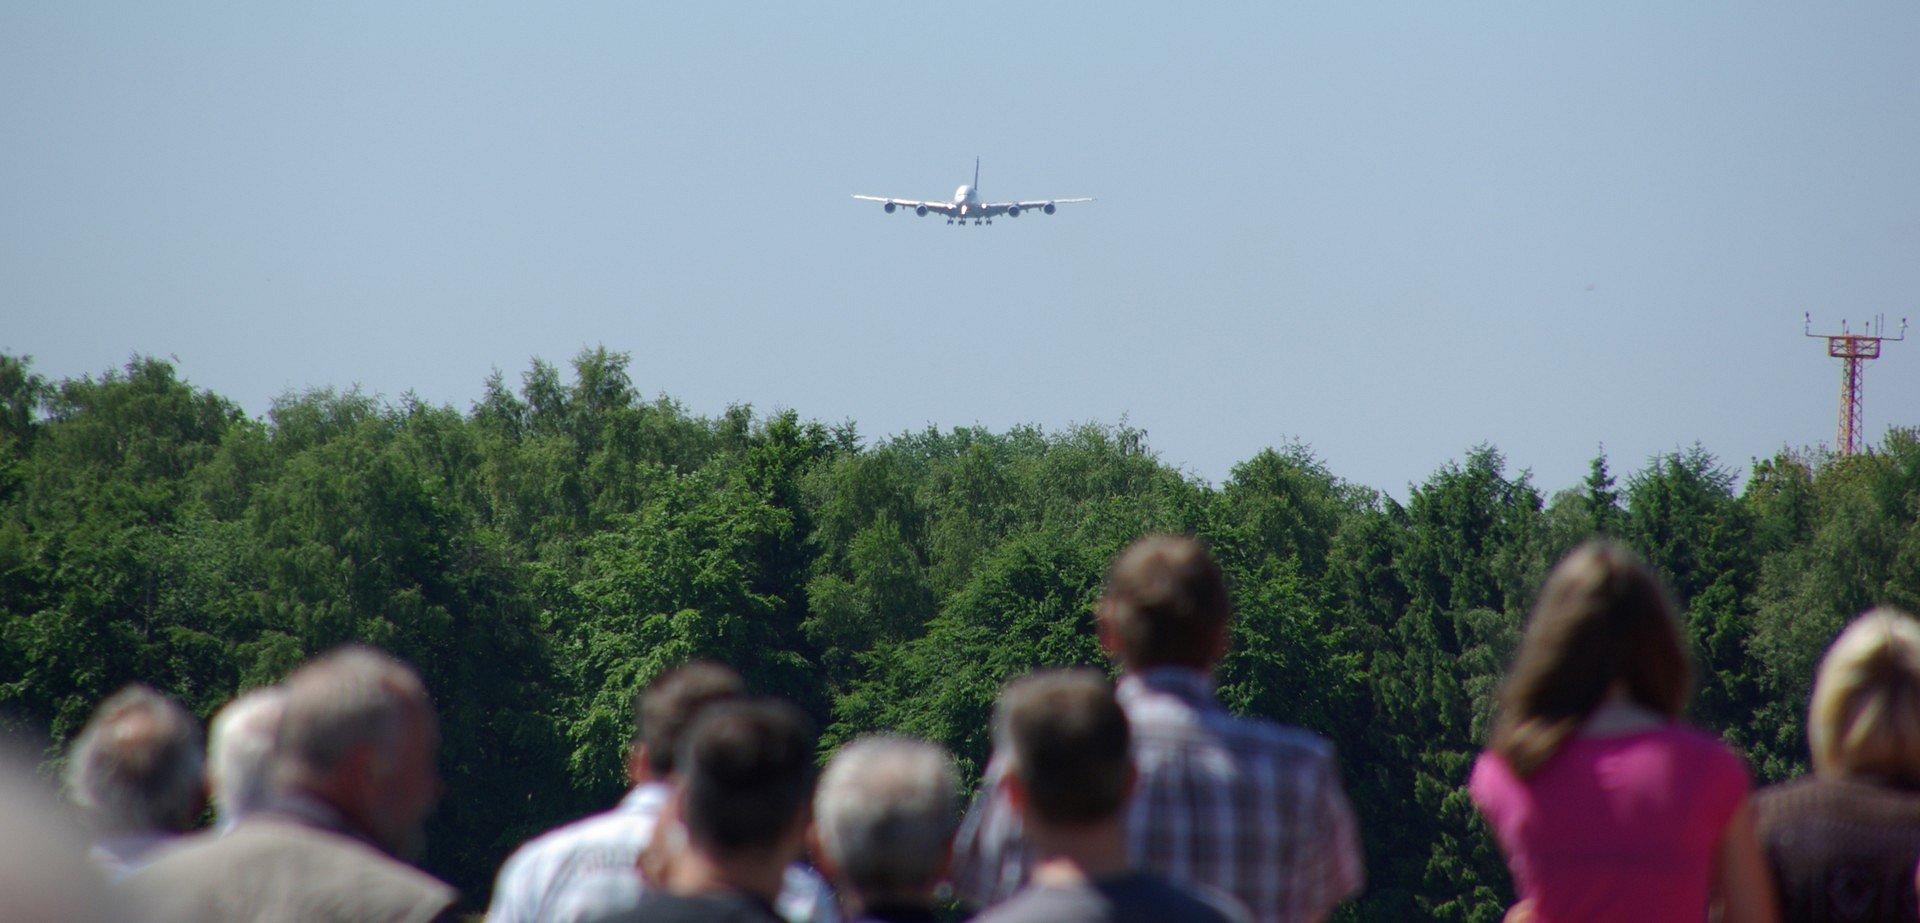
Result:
[1857,349]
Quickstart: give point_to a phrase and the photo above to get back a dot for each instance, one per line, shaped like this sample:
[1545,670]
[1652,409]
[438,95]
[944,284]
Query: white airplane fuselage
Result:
[967,199]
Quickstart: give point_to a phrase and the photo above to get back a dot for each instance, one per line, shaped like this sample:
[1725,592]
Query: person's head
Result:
[136,765]
[746,772]
[1603,624]
[1166,604]
[666,709]
[1066,744]
[240,751]
[884,815]
[1865,716]
[359,731]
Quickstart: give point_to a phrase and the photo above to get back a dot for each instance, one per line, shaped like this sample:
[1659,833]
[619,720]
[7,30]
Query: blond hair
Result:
[1865,716]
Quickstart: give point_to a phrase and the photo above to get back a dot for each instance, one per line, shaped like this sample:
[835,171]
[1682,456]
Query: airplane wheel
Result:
[989,220]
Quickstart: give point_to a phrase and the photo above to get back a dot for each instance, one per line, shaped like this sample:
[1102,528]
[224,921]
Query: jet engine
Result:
[888,207]
[920,210]
[1048,208]
[1013,211]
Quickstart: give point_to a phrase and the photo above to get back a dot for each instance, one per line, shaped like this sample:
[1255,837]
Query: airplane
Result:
[966,204]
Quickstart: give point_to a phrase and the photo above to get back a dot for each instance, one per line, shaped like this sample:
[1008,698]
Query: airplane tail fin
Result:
[976,172]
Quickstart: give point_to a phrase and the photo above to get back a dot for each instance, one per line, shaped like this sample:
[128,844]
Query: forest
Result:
[542,554]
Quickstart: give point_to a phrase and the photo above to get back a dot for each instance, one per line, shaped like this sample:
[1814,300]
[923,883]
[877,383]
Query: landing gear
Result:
[989,220]
[976,221]
[949,220]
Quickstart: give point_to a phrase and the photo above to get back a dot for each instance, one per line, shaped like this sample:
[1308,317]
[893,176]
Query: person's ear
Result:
[1222,641]
[817,852]
[1103,627]
[637,769]
[1016,793]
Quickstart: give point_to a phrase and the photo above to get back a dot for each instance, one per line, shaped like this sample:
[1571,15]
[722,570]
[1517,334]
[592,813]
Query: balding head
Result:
[1166,605]
[136,765]
[359,732]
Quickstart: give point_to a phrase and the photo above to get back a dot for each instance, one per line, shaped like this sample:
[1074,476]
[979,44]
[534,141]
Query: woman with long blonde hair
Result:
[1843,841]
[1607,806]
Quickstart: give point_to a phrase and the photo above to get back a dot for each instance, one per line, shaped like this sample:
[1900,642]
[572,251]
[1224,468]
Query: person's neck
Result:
[759,873]
[1619,714]
[1068,856]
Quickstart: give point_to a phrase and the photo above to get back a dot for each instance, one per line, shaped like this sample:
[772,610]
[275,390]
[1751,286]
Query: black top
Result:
[898,913]
[711,907]
[1842,850]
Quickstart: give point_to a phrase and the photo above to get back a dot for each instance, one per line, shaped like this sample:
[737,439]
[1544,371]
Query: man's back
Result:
[1249,808]
[539,872]
[270,869]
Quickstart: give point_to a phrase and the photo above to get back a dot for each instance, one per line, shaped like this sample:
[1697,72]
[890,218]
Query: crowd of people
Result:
[1141,799]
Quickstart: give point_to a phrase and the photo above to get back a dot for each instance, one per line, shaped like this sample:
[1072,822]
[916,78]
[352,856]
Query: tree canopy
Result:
[543,554]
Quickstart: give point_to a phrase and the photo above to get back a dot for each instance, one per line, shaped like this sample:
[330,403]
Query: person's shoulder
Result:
[1283,741]
[1712,754]
[1859,802]
[204,848]
[614,825]
[1135,897]
[725,907]
[1145,896]
[1804,788]
[261,856]
[1035,904]
[1491,777]
[1688,737]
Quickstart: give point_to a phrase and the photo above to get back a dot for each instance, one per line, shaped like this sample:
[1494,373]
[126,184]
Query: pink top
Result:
[1615,828]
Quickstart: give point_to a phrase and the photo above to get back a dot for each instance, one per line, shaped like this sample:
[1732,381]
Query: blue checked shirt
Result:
[1246,807]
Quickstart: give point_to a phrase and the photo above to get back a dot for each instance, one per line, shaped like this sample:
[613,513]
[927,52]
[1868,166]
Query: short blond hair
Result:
[1865,716]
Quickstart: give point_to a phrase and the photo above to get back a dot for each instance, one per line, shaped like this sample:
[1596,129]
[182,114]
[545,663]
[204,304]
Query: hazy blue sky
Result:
[1388,230]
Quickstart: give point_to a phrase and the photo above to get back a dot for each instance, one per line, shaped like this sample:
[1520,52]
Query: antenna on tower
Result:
[1856,350]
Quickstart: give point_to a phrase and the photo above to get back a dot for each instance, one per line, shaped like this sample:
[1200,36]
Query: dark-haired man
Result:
[575,871]
[1063,740]
[746,777]
[1246,807]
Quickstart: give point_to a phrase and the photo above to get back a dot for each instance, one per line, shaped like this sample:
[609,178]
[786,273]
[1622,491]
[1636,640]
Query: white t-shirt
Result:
[590,866]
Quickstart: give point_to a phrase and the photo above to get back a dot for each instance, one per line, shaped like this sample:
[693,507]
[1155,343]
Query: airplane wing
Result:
[944,208]
[1043,205]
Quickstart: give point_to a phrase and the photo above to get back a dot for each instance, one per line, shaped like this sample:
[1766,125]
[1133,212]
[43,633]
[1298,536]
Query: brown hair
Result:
[1166,602]
[1067,740]
[1865,715]
[748,768]
[1602,618]
[669,704]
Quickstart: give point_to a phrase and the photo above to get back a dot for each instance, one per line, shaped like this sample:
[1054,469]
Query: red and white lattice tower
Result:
[1856,350]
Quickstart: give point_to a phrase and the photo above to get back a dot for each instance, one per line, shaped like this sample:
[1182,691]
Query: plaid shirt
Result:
[1246,807]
